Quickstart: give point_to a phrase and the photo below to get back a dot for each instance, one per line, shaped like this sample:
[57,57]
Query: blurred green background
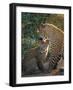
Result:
[30,22]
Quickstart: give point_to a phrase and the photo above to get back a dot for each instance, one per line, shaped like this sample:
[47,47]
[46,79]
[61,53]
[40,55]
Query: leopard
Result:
[56,44]
[32,64]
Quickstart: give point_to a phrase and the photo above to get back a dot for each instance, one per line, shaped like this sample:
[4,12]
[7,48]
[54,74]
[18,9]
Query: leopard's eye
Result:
[41,38]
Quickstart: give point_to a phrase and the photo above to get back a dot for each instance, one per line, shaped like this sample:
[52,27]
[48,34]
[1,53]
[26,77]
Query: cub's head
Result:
[43,47]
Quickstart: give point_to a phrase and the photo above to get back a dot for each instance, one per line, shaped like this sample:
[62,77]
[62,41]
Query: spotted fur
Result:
[56,38]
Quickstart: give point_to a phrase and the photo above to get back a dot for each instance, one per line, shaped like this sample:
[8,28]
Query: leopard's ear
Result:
[42,25]
[37,30]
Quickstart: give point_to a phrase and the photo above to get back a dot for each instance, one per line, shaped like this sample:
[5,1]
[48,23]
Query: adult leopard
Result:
[56,45]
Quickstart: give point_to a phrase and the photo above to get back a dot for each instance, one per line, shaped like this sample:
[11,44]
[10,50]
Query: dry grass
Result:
[57,20]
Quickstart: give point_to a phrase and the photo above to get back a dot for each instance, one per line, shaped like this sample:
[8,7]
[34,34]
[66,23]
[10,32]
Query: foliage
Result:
[30,23]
